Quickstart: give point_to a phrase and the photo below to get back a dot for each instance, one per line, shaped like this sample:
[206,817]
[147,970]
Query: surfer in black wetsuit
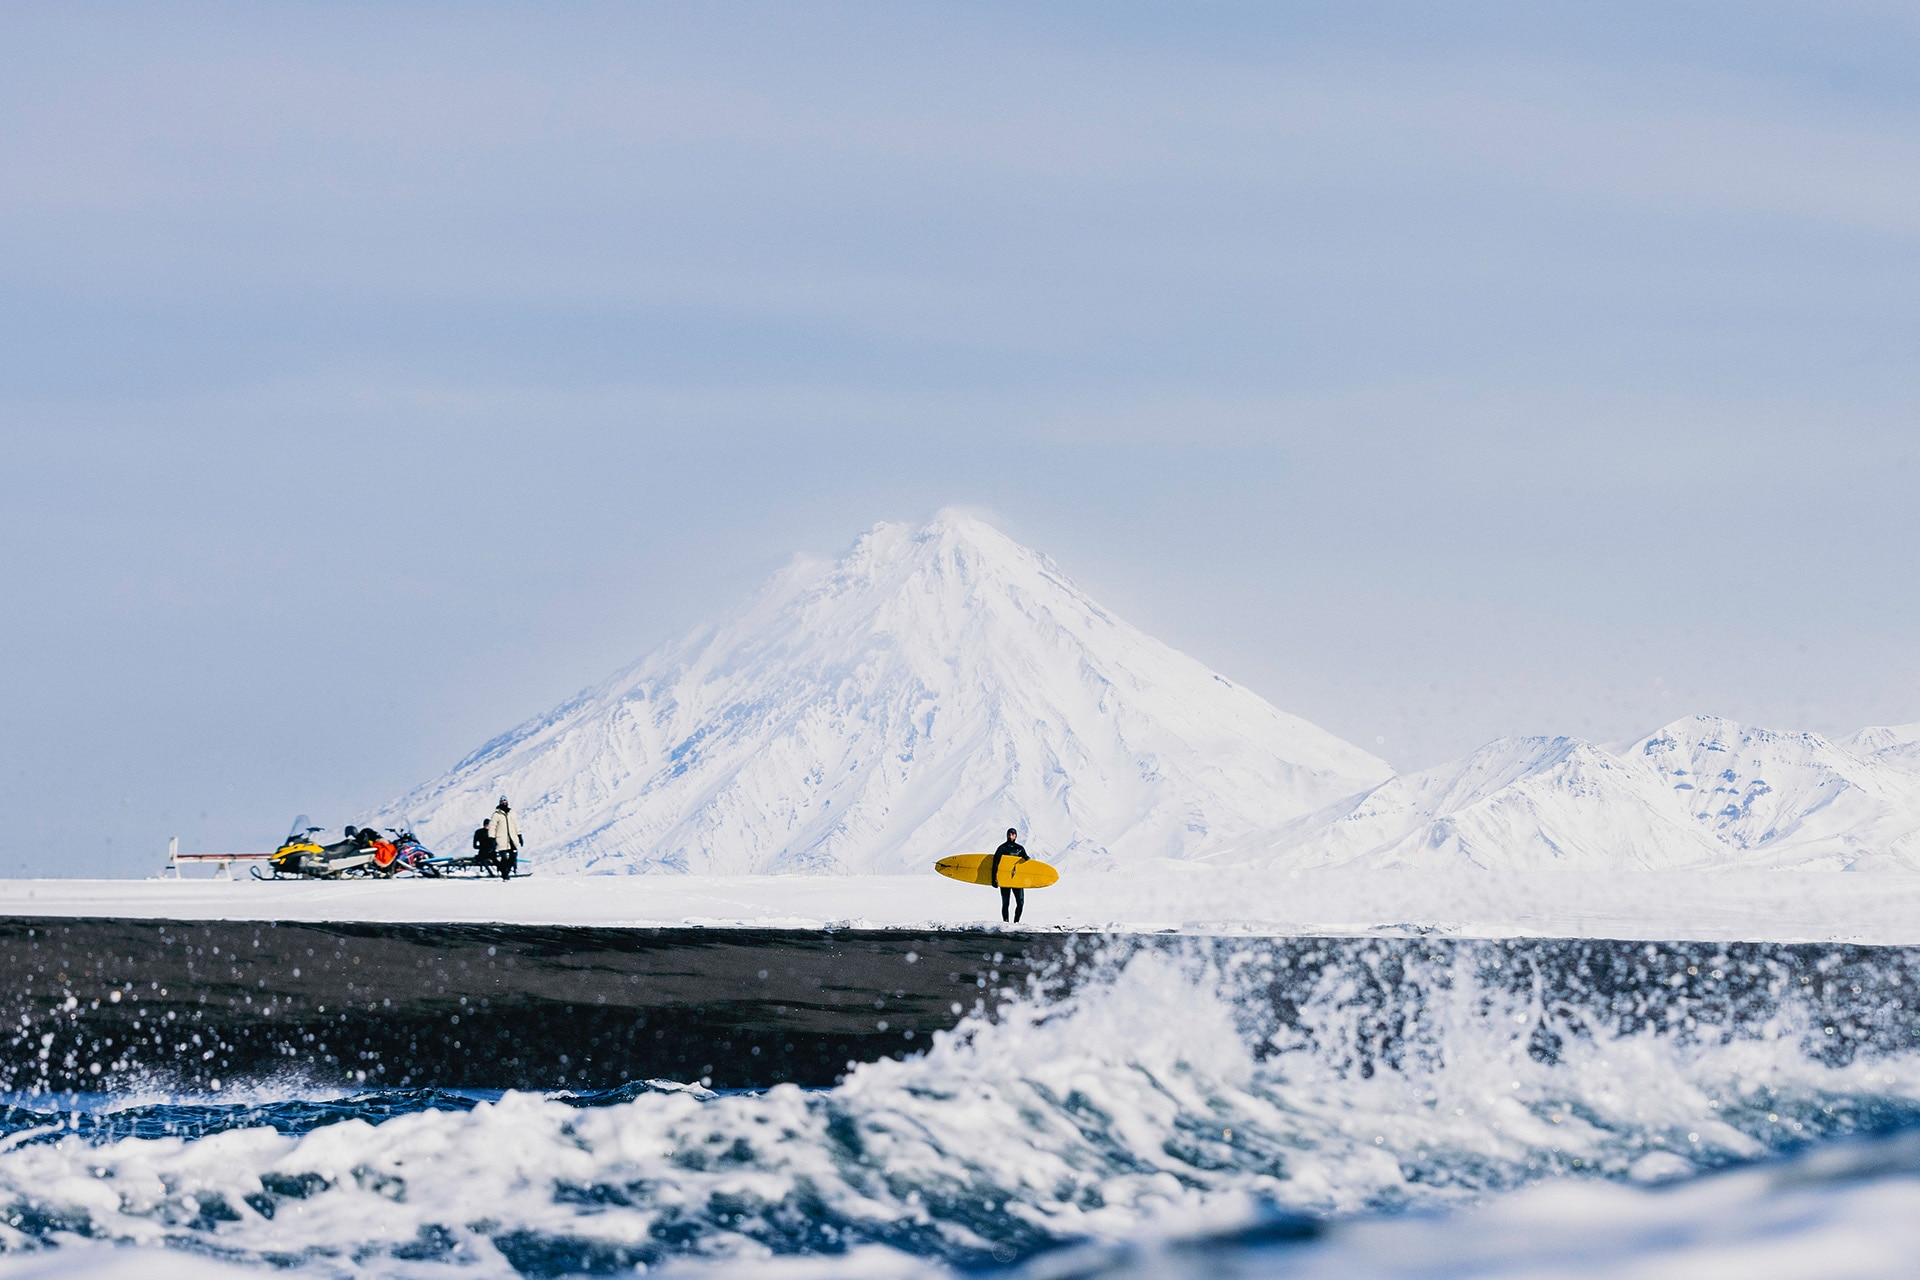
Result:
[1017,897]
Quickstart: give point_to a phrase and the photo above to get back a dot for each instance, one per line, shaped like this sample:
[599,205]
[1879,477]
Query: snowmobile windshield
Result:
[301,825]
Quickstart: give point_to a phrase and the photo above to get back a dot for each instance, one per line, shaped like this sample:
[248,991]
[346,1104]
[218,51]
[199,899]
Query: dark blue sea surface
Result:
[1066,1104]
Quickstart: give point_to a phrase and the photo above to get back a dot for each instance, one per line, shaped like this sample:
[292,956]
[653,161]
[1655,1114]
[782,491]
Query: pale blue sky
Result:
[372,378]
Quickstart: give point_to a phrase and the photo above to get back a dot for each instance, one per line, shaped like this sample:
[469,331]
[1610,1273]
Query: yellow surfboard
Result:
[975,868]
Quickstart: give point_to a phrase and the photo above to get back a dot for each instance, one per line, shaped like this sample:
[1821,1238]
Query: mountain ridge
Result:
[1701,792]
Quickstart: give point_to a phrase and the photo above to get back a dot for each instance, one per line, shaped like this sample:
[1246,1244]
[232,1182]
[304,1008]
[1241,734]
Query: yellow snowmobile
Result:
[301,855]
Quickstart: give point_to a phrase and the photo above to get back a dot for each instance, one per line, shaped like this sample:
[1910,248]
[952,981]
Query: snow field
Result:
[1780,906]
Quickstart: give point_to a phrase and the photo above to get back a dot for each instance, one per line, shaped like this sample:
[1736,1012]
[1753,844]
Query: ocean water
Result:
[1141,1108]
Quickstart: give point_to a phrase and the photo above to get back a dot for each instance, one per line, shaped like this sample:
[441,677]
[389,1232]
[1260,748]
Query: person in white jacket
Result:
[504,834]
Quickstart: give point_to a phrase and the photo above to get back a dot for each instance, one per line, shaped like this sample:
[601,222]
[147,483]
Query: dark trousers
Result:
[1018,897]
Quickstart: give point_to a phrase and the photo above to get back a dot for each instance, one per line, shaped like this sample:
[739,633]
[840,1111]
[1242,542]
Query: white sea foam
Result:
[1845,1211]
[1160,1101]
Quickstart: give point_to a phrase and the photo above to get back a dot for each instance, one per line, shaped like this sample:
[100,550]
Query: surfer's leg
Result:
[1019,904]
[1006,896]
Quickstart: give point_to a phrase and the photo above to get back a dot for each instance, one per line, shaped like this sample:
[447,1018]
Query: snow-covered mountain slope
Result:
[1515,804]
[1793,799]
[934,687]
[1700,793]
[1896,746]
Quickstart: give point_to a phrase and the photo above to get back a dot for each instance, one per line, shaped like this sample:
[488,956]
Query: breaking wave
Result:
[1169,1090]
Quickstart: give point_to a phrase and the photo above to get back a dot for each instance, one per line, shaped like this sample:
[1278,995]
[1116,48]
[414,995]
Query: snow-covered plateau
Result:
[941,683]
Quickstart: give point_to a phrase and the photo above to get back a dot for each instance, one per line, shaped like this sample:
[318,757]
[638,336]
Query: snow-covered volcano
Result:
[934,687]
